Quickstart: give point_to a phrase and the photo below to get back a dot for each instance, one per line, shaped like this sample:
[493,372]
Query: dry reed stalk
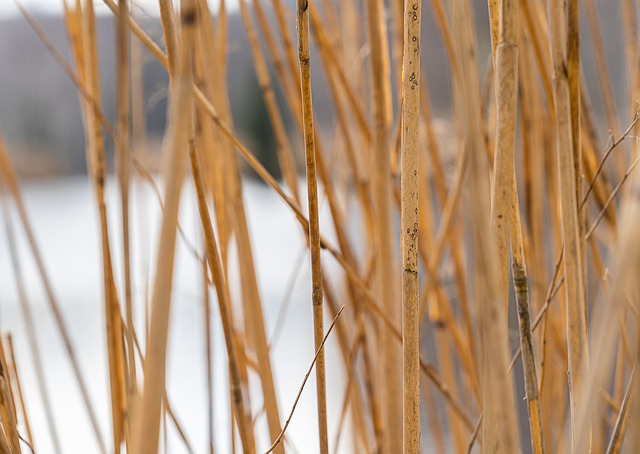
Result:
[505,79]
[124,171]
[385,276]
[574,80]
[206,105]
[224,303]
[505,206]
[444,350]
[169,31]
[285,155]
[86,52]
[500,432]
[521,284]
[15,379]
[574,287]
[409,227]
[453,237]
[302,11]
[253,315]
[147,428]
[602,68]
[605,316]
[7,405]
[622,420]
[278,440]
[214,165]
[630,27]
[332,66]
[495,16]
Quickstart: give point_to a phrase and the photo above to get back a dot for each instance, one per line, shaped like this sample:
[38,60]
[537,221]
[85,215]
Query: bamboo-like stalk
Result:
[574,80]
[217,271]
[385,271]
[86,51]
[409,227]
[505,215]
[147,428]
[521,284]
[352,275]
[500,432]
[124,165]
[253,316]
[506,76]
[576,309]
[302,11]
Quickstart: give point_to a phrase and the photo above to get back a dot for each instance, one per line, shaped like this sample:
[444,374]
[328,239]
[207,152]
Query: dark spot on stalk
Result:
[189,17]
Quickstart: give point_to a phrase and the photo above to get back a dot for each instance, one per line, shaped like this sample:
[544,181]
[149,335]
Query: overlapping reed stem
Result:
[573,268]
[409,226]
[147,423]
[317,290]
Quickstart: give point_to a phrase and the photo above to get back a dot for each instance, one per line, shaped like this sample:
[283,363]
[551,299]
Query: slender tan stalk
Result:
[409,228]
[622,421]
[86,52]
[495,7]
[521,284]
[147,429]
[210,110]
[500,432]
[505,206]
[15,379]
[506,76]
[576,309]
[302,9]
[285,155]
[385,275]
[124,166]
[7,405]
[605,316]
[277,441]
[574,79]
[252,307]
[217,271]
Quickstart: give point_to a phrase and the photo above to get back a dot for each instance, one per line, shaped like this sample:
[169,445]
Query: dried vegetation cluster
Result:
[535,232]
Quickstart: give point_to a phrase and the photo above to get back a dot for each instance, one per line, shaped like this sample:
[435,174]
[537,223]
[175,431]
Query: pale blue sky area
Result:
[8,8]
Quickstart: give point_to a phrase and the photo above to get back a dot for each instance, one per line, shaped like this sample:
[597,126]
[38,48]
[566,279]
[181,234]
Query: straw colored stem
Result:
[124,169]
[500,432]
[521,284]
[147,430]
[86,50]
[12,363]
[302,9]
[386,275]
[409,228]
[219,280]
[576,311]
